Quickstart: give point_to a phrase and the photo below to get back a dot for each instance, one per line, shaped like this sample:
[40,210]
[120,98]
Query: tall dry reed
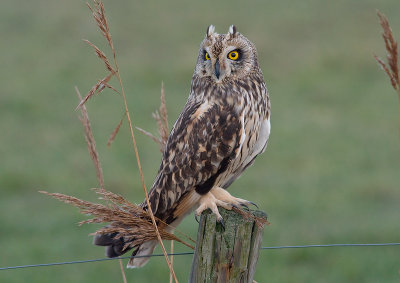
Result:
[117,209]
[391,68]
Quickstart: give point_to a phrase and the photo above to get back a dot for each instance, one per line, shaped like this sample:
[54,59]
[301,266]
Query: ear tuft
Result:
[210,30]
[232,31]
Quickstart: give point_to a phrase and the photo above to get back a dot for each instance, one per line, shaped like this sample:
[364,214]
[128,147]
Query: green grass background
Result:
[330,173]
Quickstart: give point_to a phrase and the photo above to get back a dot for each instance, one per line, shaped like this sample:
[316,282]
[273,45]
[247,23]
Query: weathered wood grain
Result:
[228,255]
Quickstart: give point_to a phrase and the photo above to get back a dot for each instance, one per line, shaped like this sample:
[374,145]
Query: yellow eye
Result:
[206,56]
[233,55]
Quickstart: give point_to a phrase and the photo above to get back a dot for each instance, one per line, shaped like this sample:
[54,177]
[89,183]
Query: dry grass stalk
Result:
[162,123]
[94,155]
[161,130]
[163,127]
[391,68]
[97,88]
[112,88]
[150,135]
[84,118]
[122,271]
[121,215]
[172,260]
[99,15]
[101,55]
[392,53]
[115,132]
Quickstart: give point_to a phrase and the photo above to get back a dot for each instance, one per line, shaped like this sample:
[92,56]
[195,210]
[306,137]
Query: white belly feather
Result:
[260,144]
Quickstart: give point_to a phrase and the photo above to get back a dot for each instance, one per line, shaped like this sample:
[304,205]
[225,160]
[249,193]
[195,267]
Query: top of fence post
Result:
[230,254]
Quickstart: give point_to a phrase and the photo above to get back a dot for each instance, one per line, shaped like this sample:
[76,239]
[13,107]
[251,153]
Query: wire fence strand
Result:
[331,245]
[191,253]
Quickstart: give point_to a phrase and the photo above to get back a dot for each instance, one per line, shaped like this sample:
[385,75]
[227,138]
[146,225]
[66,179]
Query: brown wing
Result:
[201,145]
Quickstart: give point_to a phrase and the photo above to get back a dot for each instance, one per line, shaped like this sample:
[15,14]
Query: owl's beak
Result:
[216,69]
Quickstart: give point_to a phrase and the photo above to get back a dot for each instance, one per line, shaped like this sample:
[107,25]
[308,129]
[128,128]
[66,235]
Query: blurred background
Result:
[330,173]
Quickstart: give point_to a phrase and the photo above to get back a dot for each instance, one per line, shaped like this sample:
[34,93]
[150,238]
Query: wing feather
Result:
[201,145]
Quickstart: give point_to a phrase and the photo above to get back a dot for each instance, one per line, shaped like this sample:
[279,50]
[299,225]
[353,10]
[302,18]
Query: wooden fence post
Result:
[228,255]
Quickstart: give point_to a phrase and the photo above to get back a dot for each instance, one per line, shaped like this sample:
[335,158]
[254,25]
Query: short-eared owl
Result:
[224,125]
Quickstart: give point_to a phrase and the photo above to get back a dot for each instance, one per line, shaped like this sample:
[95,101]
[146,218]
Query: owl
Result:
[223,127]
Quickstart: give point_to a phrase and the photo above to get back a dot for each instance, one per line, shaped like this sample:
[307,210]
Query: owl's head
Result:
[225,57]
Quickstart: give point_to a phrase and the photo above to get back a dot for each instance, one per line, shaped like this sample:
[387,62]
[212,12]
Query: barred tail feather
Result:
[116,246]
[119,243]
[142,254]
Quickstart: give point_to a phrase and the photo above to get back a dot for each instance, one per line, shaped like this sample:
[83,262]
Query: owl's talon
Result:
[221,222]
[244,205]
[254,204]
[208,201]
[223,196]
[235,206]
